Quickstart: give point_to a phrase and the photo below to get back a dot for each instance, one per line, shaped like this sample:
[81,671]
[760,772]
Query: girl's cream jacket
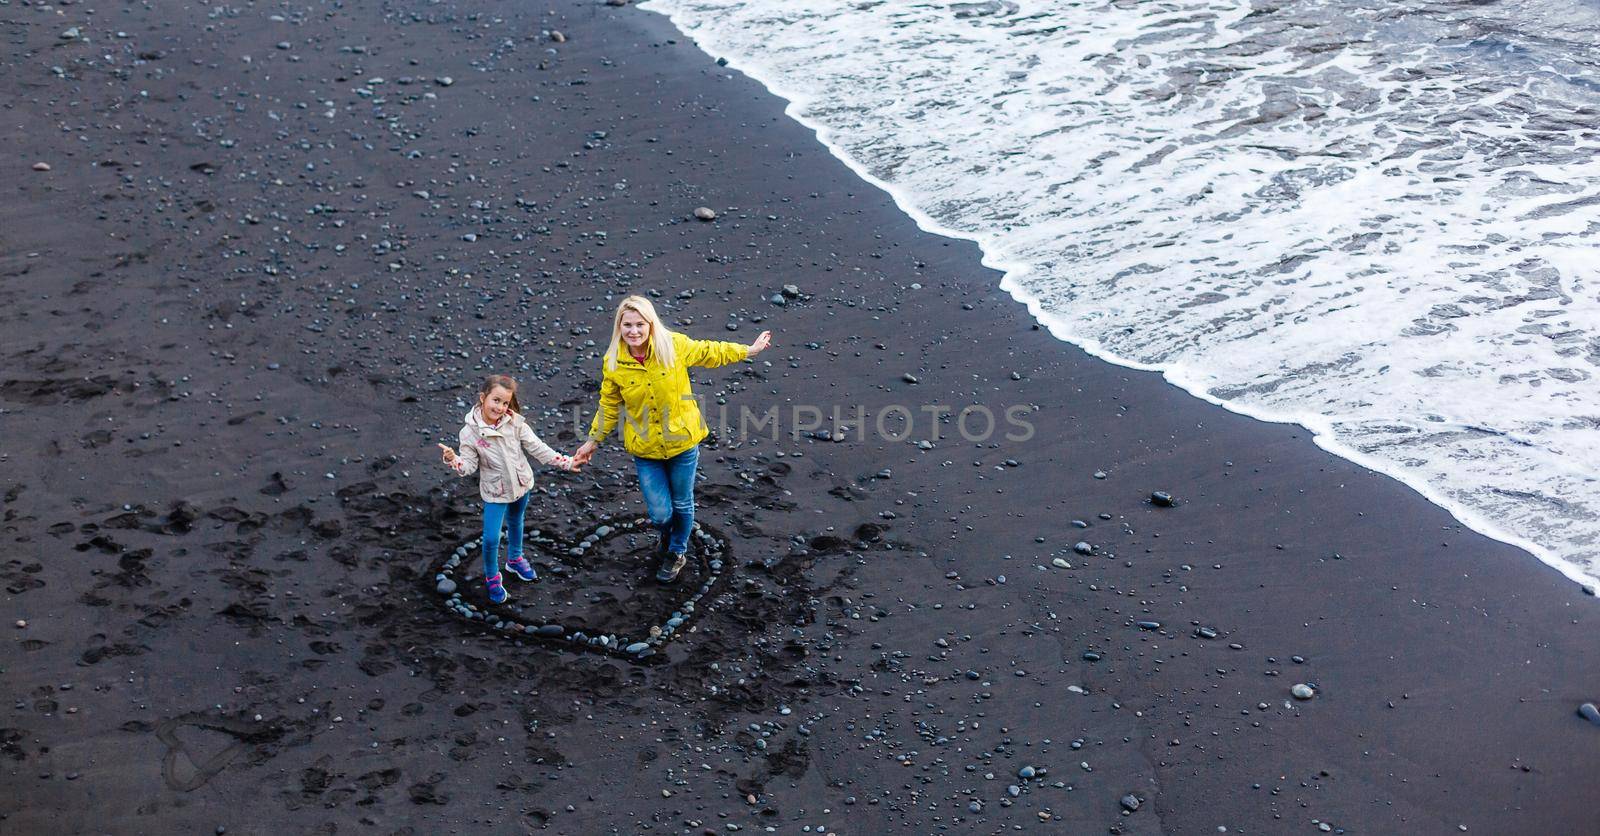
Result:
[495,453]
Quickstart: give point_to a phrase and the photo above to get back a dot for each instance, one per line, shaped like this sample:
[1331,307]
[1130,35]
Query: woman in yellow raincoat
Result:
[645,386]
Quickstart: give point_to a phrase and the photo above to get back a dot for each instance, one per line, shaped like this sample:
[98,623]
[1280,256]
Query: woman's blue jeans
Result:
[668,488]
[495,515]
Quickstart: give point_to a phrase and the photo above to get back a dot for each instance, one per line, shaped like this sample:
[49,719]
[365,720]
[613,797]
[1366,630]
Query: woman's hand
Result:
[448,456]
[763,340]
[584,453]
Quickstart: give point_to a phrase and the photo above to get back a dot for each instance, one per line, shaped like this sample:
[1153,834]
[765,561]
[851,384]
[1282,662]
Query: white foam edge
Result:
[1320,426]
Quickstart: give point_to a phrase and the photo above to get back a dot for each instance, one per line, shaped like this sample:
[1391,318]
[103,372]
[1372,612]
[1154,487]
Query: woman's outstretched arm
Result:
[713,353]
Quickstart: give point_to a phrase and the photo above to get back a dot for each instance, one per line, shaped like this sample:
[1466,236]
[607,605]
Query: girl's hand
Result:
[763,340]
[584,453]
[449,455]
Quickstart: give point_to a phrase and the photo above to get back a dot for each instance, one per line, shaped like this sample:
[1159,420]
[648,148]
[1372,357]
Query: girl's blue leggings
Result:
[496,515]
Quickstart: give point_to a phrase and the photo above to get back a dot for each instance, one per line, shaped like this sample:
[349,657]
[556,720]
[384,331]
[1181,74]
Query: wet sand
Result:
[269,262]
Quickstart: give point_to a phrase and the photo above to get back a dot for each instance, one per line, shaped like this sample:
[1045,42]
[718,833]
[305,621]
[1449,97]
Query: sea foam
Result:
[1377,220]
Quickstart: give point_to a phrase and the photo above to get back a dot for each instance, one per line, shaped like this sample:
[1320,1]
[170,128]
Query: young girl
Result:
[493,441]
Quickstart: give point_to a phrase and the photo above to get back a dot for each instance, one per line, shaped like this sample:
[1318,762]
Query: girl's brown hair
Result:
[503,381]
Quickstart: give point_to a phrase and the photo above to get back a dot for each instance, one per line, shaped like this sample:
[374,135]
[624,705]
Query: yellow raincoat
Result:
[660,417]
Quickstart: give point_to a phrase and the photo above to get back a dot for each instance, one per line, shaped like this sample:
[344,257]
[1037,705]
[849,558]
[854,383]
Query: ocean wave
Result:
[1372,219]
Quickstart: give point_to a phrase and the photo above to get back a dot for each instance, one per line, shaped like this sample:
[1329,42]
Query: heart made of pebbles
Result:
[611,605]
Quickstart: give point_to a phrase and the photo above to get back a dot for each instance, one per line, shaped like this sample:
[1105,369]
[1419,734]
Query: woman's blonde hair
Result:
[660,337]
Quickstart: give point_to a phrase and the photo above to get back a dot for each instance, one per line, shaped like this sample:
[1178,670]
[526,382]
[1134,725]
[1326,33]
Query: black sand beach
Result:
[277,246]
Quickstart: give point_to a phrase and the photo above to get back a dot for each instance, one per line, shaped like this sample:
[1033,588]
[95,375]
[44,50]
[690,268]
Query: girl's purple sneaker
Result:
[497,590]
[522,568]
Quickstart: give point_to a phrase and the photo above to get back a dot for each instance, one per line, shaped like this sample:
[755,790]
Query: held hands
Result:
[763,340]
[583,454]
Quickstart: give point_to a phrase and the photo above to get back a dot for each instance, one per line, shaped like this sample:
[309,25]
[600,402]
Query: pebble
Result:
[1162,498]
[444,81]
[558,37]
[1149,625]
[1060,563]
[1013,790]
[909,377]
[636,648]
[1302,691]
[1027,772]
[704,213]
[1082,548]
[446,587]
[1099,474]
[1588,712]
[1091,656]
[22,625]
[550,630]
[975,807]
[41,166]
[1130,802]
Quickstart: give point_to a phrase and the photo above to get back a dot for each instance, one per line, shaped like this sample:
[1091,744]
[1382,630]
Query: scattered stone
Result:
[636,648]
[1082,548]
[1205,633]
[1060,563]
[705,213]
[1588,712]
[1091,656]
[558,37]
[1302,691]
[1099,474]
[446,587]
[444,81]
[41,166]
[1130,802]
[909,377]
[71,34]
[21,624]
[1162,499]
[1027,772]
[1149,625]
